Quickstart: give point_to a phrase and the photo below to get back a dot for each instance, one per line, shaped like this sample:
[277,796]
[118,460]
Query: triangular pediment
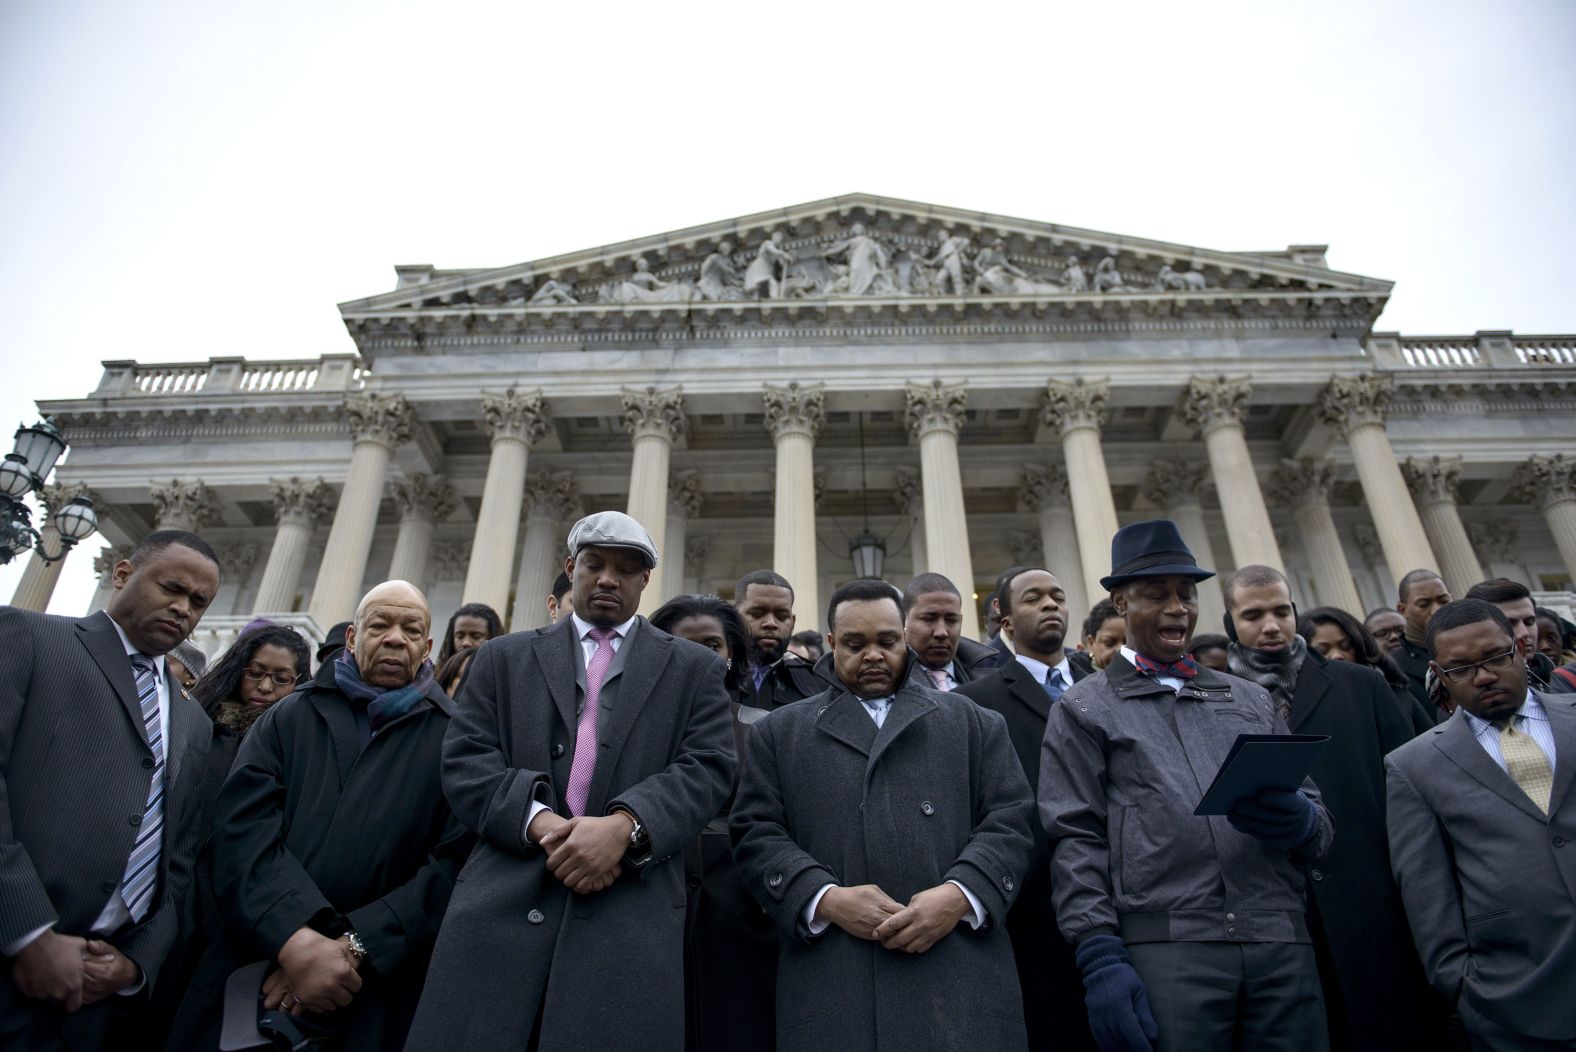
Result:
[865,247]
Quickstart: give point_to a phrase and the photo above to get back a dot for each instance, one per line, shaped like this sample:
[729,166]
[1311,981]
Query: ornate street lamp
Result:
[25,470]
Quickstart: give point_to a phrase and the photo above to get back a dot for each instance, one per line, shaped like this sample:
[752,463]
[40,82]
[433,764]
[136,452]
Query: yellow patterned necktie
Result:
[1526,763]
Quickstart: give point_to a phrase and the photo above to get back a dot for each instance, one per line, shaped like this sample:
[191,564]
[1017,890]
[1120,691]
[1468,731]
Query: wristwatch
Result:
[358,949]
[638,837]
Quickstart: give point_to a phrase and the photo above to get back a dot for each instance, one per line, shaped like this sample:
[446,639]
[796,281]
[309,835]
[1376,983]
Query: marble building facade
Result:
[978,390]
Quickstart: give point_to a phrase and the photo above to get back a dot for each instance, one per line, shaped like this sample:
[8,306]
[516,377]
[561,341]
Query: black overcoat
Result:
[934,795]
[312,828]
[1375,988]
[604,970]
[1053,1006]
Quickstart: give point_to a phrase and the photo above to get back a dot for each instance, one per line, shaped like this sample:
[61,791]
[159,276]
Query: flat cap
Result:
[612,529]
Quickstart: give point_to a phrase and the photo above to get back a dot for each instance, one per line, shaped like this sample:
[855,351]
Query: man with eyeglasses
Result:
[1482,829]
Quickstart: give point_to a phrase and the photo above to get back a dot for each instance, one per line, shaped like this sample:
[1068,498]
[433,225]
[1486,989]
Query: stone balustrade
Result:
[1482,350]
[226,375]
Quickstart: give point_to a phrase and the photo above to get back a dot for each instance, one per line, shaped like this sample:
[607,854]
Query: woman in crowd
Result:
[451,674]
[1104,632]
[1209,650]
[472,625]
[1341,637]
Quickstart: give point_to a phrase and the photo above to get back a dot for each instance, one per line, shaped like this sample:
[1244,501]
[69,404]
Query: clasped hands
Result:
[582,852]
[867,912]
[71,971]
[315,974]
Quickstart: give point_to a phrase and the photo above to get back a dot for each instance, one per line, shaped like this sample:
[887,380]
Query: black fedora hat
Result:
[1152,548]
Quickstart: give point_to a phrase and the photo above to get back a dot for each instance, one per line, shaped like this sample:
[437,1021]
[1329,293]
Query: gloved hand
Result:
[1276,818]
[1119,1015]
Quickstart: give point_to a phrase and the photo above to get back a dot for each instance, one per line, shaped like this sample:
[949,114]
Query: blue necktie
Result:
[142,868]
[1054,686]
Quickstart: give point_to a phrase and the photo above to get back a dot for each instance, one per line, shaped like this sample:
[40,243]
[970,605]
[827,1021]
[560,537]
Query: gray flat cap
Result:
[612,529]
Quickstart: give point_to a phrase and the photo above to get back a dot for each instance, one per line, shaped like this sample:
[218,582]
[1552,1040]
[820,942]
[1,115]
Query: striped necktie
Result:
[1054,686]
[142,869]
[1526,763]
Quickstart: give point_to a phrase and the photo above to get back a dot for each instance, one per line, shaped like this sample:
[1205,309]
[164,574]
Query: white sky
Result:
[186,179]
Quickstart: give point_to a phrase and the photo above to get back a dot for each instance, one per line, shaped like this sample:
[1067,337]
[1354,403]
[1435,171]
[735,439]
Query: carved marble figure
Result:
[869,263]
[1172,279]
[553,292]
[719,278]
[1107,278]
[765,275]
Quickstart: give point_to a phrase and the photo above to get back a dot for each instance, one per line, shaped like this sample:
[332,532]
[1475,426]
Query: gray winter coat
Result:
[1124,763]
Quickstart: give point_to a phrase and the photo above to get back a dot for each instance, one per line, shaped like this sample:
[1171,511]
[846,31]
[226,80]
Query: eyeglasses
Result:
[283,679]
[1464,673]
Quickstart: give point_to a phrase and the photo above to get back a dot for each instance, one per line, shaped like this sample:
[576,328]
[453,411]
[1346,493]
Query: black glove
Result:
[1276,818]
[1119,1015]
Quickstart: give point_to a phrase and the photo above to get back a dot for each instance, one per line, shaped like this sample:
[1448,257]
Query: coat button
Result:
[1317,874]
[1559,841]
[821,711]
[775,880]
[558,751]
[694,880]
[535,917]
[1231,932]
[927,808]
[1006,882]
[134,820]
[108,887]
[1231,916]
[147,763]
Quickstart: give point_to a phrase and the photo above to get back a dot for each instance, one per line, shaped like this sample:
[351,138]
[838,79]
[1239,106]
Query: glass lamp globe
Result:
[867,553]
[76,520]
[40,446]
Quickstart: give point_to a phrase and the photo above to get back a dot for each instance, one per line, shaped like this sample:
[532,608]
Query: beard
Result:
[237,716]
[763,658]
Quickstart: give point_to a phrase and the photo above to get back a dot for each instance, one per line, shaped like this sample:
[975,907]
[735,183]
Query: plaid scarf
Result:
[384,705]
[1182,668]
[1274,670]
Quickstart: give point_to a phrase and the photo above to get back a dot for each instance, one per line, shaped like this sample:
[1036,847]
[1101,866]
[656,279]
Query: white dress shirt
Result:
[1534,723]
[1174,682]
[587,648]
[1041,671]
[878,709]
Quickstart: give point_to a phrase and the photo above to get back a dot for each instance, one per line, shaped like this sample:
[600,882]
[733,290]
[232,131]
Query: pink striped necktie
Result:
[938,676]
[584,764]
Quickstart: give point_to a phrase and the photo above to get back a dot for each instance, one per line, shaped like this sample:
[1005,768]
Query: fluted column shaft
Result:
[282,572]
[1355,404]
[551,500]
[794,415]
[1561,517]
[516,421]
[1044,491]
[1216,408]
[379,423]
[1304,485]
[655,420]
[1177,488]
[684,501]
[911,502]
[935,416]
[1550,484]
[423,502]
[38,579]
[1434,482]
[1078,411]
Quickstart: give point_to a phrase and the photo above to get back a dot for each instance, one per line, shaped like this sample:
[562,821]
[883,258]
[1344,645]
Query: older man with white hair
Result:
[334,848]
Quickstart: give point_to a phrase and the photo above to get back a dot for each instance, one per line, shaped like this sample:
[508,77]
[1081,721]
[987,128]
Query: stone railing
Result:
[1482,350]
[332,372]
[215,633]
[1562,603]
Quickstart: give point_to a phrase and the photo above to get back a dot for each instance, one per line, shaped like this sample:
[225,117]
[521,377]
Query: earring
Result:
[729,666]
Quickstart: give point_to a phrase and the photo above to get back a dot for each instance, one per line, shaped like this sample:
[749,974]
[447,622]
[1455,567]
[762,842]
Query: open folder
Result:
[1257,762]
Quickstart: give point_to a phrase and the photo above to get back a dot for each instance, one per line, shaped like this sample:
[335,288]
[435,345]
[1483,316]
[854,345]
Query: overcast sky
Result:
[186,179]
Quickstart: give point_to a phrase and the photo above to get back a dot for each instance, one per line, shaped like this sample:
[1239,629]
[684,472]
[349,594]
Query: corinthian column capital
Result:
[56,495]
[1497,542]
[428,497]
[1299,483]
[794,409]
[518,415]
[187,505]
[1171,483]
[1042,486]
[1545,480]
[236,561]
[934,407]
[1210,403]
[1070,405]
[652,412]
[1349,402]
[1433,480]
[554,495]
[311,499]
[386,419]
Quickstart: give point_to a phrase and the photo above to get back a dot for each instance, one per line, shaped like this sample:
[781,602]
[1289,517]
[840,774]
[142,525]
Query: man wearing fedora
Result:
[1189,931]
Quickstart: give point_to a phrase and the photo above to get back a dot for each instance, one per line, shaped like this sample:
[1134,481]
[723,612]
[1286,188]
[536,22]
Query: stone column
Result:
[104,565]
[423,502]
[1077,411]
[1304,485]
[655,420]
[516,421]
[794,415]
[1355,405]
[1043,491]
[696,549]
[1498,546]
[1177,488]
[935,416]
[910,497]
[551,501]
[183,505]
[1216,408]
[38,577]
[235,569]
[299,506]
[379,423]
[1433,482]
[684,501]
[1550,484]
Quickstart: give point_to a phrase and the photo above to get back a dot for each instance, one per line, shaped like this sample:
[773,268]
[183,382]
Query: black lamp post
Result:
[25,470]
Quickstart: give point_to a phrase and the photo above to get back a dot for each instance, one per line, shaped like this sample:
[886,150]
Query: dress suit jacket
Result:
[75,769]
[1489,881]
[519,951]
[975,661]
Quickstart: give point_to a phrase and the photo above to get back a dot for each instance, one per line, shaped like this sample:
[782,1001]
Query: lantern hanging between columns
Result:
[868,552]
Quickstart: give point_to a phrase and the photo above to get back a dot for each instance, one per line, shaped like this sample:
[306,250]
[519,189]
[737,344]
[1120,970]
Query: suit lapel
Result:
[907,707]
[846,719]
[646,653]
[1561,709]
[1454,738]
[103,644]
[1022,685]
[1312,684]
[561,668]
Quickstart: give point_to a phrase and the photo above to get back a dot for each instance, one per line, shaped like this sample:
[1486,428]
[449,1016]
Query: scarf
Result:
[384,705]
[1275,671]
[237,716]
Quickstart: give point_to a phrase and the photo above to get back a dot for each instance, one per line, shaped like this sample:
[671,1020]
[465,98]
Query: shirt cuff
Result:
[977,921]
[811,925]
[27,940]
[538,805]
[136,987]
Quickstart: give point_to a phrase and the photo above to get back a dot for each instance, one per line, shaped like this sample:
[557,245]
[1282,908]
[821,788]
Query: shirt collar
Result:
[1041,671]
[583,627]
[157,659]
[1531,709]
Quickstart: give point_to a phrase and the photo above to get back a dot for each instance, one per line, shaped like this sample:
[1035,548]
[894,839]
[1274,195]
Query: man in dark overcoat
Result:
[884,825]
[1376,995]
[334,851]
[1035,619]
[586,756]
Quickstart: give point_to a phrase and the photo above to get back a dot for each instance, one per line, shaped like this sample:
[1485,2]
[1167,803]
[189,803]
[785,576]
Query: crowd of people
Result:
[703,830]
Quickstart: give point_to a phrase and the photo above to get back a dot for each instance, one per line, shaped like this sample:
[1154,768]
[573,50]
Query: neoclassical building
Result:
[969,389]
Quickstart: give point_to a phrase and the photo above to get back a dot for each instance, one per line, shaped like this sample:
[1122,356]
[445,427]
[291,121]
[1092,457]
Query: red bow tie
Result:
[1183,668]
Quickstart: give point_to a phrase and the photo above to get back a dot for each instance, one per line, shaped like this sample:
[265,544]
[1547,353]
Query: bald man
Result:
[334,851]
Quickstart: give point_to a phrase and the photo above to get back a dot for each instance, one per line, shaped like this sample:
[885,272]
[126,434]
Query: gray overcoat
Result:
[935,795]
[605,970]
